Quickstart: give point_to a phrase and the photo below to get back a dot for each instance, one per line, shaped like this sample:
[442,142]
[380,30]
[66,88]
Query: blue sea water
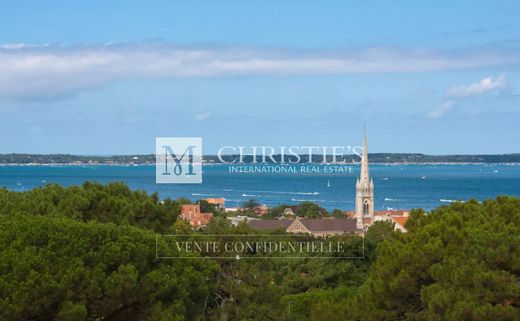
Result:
[396,186]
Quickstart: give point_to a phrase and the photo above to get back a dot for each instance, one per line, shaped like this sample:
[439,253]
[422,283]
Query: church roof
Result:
[270,224]
[322,225]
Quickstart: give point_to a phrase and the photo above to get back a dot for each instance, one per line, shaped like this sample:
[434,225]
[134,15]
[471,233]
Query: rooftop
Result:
[215,200]
[334,224]
[270,224]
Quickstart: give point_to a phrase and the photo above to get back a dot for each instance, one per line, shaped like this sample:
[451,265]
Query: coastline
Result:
[257,164]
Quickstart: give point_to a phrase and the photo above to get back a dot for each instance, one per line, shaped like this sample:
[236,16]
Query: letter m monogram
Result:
[178,160]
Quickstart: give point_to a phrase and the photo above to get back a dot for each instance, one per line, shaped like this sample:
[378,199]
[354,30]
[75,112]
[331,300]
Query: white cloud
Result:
[441,109]
[485,85]
[56,71]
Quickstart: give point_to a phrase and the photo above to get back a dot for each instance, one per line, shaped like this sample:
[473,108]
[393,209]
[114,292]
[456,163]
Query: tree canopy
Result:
[56,268]
[310,210]
[89,253]
[459,262]
[110,203]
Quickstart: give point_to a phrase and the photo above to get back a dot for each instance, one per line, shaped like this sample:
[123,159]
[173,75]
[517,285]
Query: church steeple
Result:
[364,190]
[364,158]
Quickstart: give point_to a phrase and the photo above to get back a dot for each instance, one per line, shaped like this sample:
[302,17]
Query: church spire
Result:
[364,176]
[364,191]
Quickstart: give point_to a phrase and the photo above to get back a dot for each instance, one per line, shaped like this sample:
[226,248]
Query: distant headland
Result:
[149,159]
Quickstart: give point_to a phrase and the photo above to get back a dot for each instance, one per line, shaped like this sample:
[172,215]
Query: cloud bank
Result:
[55,71]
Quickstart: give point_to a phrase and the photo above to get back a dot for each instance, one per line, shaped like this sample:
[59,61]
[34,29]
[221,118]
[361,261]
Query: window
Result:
[365,207]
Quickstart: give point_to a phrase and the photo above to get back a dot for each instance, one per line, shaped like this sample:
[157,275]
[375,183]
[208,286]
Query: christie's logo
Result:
[178,160]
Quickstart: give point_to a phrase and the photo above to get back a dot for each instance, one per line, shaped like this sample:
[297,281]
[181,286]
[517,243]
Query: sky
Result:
[107,77]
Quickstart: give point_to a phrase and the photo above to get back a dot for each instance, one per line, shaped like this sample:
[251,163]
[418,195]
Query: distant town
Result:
[149,159]
[307,217]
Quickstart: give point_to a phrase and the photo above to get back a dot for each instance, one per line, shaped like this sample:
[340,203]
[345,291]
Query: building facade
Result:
[323,227]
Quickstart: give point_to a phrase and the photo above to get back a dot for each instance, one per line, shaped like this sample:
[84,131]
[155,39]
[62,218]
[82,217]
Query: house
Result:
[400,222]
[323,227]
[315,227]
[398,217]
[261,210]
[219,203]
[191,214]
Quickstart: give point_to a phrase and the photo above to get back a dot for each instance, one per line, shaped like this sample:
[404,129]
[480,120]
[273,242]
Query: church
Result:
[356,222]
[365,213]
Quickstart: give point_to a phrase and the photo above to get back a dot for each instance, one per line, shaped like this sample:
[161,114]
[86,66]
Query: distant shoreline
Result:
[258,164]
[149,159]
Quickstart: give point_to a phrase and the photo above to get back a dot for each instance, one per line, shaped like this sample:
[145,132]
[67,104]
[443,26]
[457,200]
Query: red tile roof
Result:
[401,220]
[215,200]
[192,214]
[391,212]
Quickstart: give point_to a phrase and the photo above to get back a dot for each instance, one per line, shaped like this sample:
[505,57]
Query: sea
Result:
[396,186]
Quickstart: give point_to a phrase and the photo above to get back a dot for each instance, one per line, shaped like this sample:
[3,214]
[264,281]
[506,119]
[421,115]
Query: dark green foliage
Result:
[460,262]
[206,207]
[58,268]
[259,289]
[277,211]
[337,213]
[111,203]
[88,253]
[310,210]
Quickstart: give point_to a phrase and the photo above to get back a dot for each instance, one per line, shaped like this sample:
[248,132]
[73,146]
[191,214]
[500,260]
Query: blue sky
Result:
[94,77]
